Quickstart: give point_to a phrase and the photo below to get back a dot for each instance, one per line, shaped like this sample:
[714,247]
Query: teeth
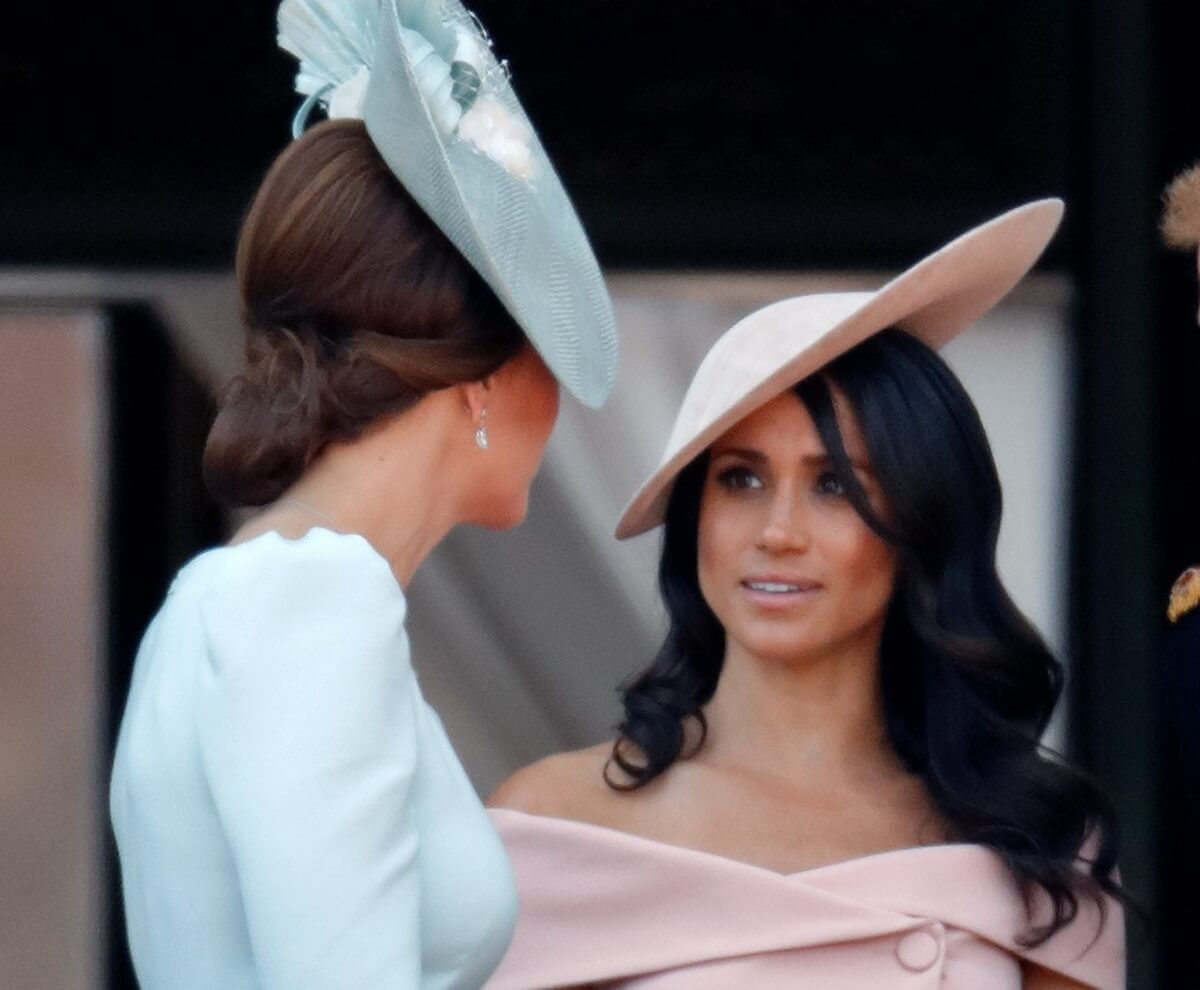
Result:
[773,587]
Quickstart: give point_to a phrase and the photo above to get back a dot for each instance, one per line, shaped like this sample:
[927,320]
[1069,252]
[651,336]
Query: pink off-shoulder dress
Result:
[603,908]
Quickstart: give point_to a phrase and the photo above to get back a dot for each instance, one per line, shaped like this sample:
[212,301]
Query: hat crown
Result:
[774,335]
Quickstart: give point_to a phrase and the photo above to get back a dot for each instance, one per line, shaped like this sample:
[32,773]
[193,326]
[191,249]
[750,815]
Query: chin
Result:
[779,653]
[779,647]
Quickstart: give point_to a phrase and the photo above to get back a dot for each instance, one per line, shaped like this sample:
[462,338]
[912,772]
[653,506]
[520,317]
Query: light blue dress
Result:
[288,810]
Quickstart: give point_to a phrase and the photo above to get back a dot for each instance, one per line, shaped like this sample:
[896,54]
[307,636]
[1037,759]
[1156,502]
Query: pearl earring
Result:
[481,436]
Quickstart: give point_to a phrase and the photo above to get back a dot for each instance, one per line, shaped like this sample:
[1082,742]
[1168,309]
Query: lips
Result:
[779,586]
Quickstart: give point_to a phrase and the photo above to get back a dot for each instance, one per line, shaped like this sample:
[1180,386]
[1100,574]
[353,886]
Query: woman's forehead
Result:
[784,426]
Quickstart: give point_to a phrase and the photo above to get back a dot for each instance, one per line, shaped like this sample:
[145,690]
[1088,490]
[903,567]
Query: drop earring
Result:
[481,434]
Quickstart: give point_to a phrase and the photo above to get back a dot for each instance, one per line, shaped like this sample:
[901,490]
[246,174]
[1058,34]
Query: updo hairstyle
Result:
[355,306]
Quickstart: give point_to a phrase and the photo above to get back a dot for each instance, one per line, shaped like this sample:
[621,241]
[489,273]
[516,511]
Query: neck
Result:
[814,716]
[398,486]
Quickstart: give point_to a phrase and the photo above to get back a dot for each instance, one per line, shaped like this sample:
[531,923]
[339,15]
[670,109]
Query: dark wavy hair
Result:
[968,685]
[355,305]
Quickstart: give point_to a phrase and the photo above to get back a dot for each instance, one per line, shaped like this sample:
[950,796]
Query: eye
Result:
[828,483]
[738,479]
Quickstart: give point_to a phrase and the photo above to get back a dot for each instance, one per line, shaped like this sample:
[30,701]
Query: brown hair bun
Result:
[355,305]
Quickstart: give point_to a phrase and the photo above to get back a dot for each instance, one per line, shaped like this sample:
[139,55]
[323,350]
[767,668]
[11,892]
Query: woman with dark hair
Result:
[288,810]
[832,773]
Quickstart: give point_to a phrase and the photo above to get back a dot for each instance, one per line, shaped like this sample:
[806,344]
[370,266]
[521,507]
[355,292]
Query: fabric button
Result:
[917,951]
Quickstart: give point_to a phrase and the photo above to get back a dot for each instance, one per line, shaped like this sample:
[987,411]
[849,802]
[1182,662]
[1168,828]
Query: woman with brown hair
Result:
[288,810]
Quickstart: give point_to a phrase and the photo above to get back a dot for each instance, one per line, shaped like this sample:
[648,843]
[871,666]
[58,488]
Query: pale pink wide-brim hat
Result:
[777,346]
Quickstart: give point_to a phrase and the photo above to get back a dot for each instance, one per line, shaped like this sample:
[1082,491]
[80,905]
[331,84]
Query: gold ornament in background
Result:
[1185,595]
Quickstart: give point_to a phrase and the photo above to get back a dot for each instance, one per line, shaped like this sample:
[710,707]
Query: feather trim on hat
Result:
[1181,214]
[1185,595]
[440,109]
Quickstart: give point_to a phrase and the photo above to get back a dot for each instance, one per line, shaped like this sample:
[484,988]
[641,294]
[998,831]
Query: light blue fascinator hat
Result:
[441,110]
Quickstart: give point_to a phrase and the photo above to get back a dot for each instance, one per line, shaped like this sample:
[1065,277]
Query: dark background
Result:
[697,133]
[761,134]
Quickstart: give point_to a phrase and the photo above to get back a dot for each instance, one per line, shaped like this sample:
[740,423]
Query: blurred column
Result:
[52,418]
[1118,601]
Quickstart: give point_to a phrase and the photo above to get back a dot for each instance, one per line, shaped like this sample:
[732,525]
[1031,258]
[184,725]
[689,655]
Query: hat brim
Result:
[779,345]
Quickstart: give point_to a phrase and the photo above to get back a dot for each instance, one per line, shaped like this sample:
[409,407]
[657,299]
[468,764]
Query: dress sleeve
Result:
[309,743]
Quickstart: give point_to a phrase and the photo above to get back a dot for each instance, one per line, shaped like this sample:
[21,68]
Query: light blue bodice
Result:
[288,810]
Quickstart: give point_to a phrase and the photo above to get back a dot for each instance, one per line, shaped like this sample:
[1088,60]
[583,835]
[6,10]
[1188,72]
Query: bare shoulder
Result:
[565,785]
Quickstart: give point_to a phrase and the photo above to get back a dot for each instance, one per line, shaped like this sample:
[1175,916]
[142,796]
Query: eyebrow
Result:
[811,460]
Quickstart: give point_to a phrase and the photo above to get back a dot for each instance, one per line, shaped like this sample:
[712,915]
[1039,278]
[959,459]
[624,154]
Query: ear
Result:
[476,396]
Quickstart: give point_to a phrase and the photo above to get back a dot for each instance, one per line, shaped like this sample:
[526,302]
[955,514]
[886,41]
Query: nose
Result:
[785,527]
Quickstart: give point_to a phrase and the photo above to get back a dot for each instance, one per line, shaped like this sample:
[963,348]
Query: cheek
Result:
[867,570]
[519,454]
[532,413]
[549,406]
[707,563]
[721,544]
[539,411]
[540,418]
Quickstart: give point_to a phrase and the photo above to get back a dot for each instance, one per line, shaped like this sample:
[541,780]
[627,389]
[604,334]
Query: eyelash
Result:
[839,490]
[738,478]
[735,478]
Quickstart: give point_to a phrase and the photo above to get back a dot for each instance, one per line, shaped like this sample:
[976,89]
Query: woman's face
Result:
[522,408]
[785,562]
